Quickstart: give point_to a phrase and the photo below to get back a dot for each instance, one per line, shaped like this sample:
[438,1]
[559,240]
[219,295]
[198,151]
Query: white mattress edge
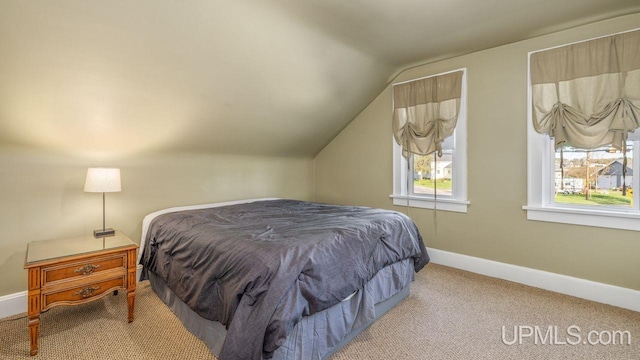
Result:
[146,221]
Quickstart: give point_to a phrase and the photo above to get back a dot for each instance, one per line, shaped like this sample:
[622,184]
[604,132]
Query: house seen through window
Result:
[433,174]
[594,177]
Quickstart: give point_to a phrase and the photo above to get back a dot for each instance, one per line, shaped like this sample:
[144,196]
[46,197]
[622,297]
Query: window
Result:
[594,186]
[435,182]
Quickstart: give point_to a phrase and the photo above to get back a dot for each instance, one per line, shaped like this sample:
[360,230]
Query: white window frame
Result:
[541,205]
[457,202]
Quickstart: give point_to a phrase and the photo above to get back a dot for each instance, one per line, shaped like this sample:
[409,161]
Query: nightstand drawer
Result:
[78,269]
[82,293]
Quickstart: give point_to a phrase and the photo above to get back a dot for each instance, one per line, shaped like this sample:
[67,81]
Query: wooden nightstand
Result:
[75,271]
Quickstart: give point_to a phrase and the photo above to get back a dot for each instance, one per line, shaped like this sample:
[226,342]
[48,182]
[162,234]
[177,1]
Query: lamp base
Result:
[100,233]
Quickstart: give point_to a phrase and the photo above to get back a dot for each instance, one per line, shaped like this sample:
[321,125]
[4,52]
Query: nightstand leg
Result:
[34,330]
[33,309]
[131,281]
[131,298]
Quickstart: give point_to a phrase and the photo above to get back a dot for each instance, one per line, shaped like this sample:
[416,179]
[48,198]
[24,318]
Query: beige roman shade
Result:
[587,95]
[425,112]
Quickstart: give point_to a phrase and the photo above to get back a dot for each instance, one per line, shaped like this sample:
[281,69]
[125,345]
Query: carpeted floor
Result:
[450,314]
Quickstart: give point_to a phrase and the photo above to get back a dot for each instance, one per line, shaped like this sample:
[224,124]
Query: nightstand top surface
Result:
[44,250]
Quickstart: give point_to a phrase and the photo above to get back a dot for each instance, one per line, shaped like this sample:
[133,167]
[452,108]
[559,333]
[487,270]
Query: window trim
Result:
[540,183]
[457,202]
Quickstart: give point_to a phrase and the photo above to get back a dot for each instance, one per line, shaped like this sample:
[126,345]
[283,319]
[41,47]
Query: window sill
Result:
[445,204]
[586,217]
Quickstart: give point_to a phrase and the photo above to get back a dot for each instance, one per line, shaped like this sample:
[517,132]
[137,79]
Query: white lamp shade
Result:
[102,180]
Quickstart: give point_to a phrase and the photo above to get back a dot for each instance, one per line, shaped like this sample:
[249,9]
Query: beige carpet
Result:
[450,314]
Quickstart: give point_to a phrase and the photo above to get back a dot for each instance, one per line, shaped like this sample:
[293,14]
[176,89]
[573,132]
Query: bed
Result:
[279,279]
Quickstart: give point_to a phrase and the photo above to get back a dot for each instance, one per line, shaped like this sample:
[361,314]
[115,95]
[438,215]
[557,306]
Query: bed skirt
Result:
[317,336]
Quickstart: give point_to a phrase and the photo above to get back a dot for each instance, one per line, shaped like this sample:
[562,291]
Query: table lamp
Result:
[103,180]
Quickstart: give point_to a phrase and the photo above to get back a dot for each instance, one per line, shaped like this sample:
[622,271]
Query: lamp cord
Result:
[103,214]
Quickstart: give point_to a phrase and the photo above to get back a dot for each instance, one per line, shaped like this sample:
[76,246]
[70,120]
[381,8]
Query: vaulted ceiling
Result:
[281,77]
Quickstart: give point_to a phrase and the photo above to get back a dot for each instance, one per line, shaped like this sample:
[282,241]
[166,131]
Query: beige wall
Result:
[356,168]
[42,194]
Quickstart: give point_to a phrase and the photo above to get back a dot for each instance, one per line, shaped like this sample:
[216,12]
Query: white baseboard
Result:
[13,304]
[585,289]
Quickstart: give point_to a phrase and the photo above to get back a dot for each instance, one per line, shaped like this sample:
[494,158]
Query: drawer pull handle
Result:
[87,269]
[86,292]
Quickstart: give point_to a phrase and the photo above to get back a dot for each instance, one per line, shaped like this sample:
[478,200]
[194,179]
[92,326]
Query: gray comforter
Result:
[259,267]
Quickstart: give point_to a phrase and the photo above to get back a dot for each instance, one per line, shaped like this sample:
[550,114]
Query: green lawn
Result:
[612,198]
[443,184]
